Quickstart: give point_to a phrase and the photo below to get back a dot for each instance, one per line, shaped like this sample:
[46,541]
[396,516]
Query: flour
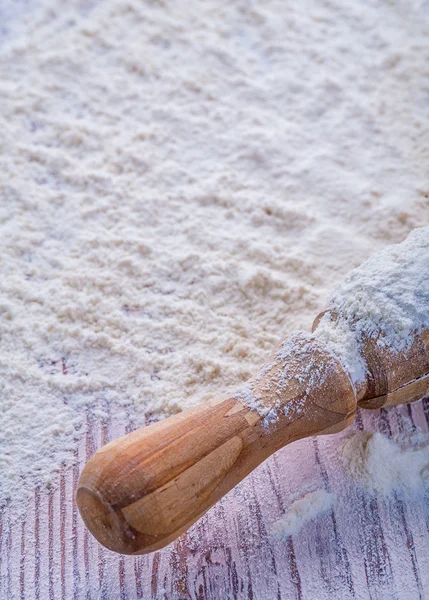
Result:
[181,187]
[311,506]
[286,370]
[386,298]
[383,465]
[379,465]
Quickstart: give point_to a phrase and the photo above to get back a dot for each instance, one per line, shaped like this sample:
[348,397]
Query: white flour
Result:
[373,462]
[182,186]
[301,511]
[383,465]
[386,298]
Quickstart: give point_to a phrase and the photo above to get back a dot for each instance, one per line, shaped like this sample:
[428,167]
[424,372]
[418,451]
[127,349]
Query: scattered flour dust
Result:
[301,511]
[377,464]
[182,185]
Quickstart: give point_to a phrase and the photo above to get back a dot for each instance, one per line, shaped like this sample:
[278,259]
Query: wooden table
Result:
[365,548]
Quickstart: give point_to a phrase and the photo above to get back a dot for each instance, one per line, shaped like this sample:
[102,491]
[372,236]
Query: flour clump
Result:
[386,298]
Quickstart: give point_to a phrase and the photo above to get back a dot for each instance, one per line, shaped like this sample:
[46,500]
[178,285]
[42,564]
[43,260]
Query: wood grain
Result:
[363,549]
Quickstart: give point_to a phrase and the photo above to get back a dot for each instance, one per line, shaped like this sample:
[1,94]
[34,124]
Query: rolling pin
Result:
[141,491]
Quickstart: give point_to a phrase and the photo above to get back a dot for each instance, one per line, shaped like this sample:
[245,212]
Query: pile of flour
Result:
[386,298]
[311,506]
[376,464]
[182,186]
[383,465]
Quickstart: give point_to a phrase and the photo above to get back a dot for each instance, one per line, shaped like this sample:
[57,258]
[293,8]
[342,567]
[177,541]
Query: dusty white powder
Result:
[311,506]
[383,465]
[283,372]
[181,186]
[386,298]
[379,465]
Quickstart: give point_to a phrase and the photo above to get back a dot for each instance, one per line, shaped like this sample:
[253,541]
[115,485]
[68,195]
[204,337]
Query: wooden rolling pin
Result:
[140,492]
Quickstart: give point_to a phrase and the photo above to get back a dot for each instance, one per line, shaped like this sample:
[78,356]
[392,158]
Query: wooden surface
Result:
[364,549]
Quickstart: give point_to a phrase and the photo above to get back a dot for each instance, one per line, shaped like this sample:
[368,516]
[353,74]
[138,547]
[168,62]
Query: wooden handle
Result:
[140,492]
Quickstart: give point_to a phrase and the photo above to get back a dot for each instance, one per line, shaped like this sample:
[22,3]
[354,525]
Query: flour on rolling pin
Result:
[306,387]
[386,298]
[389,293]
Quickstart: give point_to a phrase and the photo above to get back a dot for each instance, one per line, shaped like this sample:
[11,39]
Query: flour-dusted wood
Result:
[140,492]
[365,549]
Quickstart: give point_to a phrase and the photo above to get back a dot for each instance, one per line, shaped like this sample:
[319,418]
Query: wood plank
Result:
[373,549]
